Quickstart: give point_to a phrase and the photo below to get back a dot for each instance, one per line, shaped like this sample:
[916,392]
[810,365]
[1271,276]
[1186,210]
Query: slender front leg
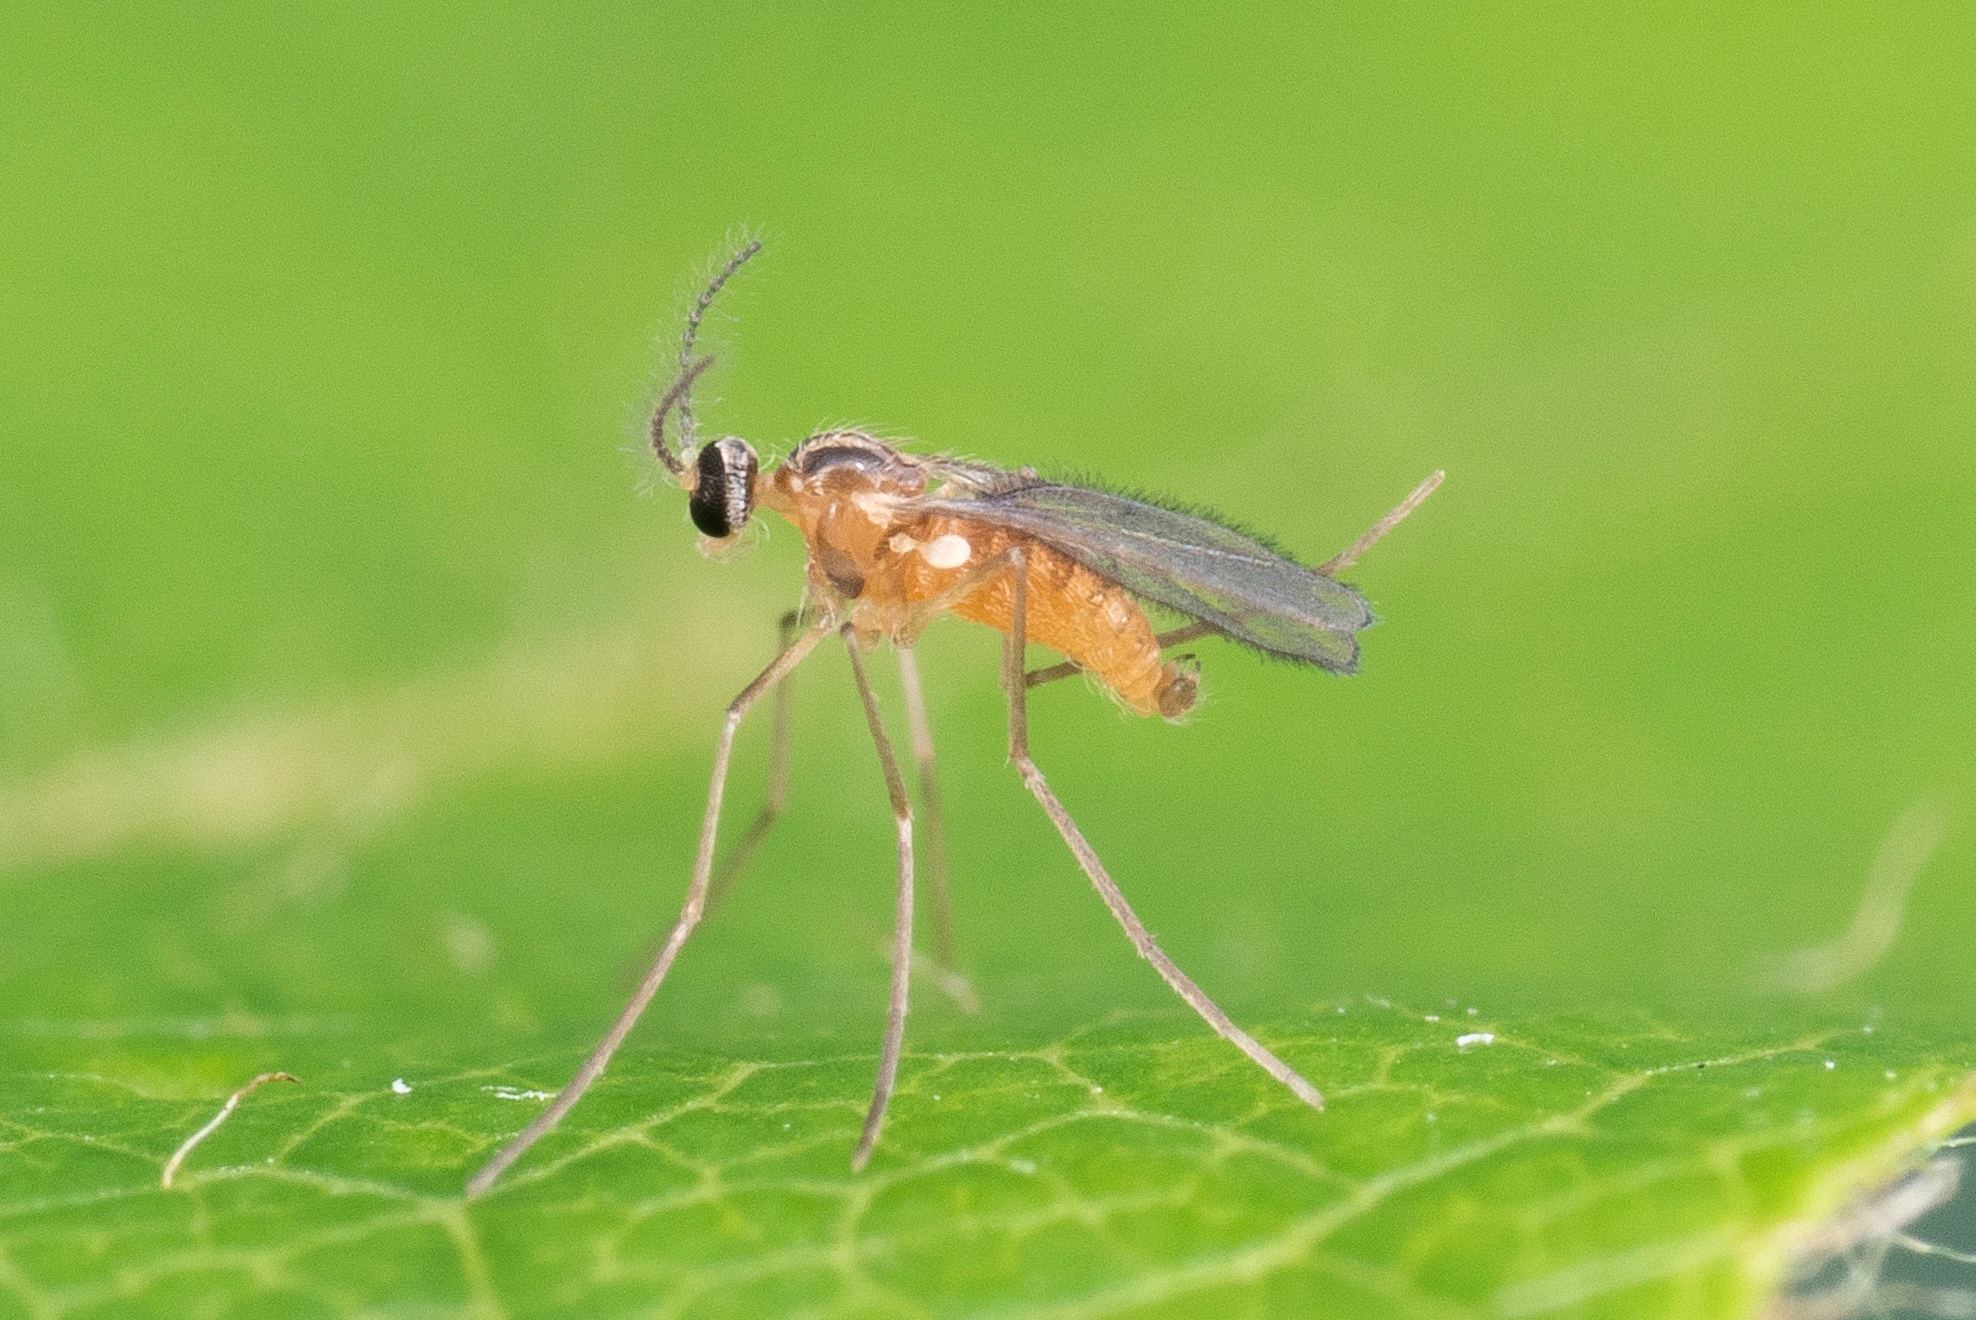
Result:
[902,929]
[689,917]
[743,850]
[1013,680]
[936,835]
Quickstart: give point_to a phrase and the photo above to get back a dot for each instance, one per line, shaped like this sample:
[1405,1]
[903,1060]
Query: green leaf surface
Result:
[1583,1166]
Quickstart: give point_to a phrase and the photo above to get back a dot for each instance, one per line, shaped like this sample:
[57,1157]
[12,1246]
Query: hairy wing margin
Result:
[1188,564]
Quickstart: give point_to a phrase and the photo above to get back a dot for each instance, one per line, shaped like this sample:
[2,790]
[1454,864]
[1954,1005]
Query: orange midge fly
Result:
[895,540]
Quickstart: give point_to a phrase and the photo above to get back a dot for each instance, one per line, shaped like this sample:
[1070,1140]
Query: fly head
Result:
[723,496]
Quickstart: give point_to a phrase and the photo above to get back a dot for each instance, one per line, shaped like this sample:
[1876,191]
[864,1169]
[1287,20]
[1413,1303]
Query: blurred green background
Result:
[344,674]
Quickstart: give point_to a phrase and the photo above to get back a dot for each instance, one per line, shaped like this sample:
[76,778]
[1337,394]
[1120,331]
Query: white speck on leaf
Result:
[1431,1017]
[1023,1166]
[1830,1064]
[1476,1038]
[401,1086]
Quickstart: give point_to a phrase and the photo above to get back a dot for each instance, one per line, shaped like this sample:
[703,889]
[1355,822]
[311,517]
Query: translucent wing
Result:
[1189,564]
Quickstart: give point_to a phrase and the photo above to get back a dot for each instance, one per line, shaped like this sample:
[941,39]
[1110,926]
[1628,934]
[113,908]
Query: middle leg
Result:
[929,793]
[902,929]
[944,971]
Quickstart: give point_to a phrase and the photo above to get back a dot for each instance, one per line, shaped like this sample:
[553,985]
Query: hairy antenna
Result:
[680,393]
[675,464]
[692,329]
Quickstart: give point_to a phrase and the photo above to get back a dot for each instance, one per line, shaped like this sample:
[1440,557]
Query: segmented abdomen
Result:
[1088,618]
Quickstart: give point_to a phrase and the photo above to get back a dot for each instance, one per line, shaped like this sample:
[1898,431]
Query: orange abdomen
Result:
[1088,618]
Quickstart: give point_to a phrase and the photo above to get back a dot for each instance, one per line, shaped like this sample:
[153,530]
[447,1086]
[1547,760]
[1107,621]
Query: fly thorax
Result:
[846,490]
[850,460]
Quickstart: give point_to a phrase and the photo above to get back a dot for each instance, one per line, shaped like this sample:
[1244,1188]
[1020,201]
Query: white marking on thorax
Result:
[949,551]
[876,505]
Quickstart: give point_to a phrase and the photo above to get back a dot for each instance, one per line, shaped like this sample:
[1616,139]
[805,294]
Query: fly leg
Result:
[945,972]
[743,849]
[1172,637]
[689,917]
[1345,558]
[1014,680]
[902,930]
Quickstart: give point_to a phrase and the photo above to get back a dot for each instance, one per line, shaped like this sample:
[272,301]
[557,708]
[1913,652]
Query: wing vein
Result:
[1189,564]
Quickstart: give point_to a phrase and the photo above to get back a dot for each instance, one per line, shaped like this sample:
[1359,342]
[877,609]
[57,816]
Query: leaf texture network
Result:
[1465,1167]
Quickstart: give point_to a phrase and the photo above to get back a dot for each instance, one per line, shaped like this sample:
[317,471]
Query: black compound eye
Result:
[724,494]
